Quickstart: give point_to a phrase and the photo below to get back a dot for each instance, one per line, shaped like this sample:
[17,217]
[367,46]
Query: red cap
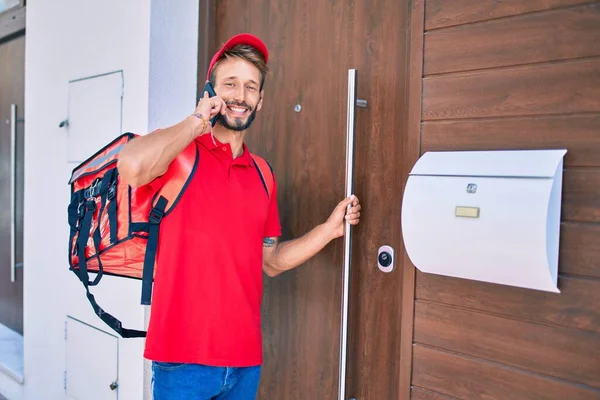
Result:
[242,38]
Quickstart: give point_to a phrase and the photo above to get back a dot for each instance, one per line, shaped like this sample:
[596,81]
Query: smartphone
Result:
[208,87]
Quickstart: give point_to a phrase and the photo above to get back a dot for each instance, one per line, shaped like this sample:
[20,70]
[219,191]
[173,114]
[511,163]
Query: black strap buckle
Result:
[155,216]
[90,205]
[93,190]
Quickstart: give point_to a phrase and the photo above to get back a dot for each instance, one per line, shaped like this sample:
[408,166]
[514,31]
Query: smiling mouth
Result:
[237,111]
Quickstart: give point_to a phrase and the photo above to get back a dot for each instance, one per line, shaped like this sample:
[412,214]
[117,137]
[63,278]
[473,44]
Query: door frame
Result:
[12,21]
[207,31]
[207,46]
[412,152]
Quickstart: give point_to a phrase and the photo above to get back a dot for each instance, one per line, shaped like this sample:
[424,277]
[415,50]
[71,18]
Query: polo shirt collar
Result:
[207,141]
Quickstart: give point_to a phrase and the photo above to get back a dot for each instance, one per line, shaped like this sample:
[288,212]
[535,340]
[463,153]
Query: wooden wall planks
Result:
[580,250]
[560,352]
[512,74]
[558,88]
[579,134]
[563,34]
[442,13]
[471,378]
[577,306]
[581,195]
[417,393]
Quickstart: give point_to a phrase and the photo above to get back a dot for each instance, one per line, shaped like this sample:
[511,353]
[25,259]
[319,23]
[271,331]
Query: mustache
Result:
[239,104]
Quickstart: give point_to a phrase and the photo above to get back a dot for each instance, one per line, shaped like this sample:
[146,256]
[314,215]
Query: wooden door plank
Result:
[562,34]
[469,378]
[577,306]
[560,352]
[300,308]
[558,88]
[411,153]
[442,13]
[579,134]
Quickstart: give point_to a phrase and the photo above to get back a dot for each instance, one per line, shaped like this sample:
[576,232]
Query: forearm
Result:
[293,253]
[148,156]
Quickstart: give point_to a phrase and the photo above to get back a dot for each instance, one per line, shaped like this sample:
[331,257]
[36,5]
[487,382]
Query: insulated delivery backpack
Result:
[114,227]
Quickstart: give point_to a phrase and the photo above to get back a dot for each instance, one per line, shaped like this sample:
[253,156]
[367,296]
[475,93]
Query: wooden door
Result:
[302,131]
[12,90]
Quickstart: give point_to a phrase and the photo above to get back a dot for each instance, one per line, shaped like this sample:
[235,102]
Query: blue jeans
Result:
[176,381]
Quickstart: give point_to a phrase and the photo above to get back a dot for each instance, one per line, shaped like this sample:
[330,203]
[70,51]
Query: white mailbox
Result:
[490,216]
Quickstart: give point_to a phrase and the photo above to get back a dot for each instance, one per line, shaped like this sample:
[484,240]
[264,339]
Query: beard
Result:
[238,124]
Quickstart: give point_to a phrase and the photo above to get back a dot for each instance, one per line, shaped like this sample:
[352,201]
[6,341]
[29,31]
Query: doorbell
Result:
[385,259]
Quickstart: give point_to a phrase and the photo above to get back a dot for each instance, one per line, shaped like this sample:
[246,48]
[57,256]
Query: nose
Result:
[240,93]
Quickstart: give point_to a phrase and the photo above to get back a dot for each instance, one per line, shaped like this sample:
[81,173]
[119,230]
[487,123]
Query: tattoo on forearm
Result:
[268,242]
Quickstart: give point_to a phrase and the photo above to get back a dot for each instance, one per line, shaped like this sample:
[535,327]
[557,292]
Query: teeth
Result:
[239,110]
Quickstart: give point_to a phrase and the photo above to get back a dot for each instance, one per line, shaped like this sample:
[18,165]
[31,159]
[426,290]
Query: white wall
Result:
[155,44]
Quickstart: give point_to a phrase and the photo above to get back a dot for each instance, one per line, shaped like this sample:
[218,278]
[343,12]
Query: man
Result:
[204,335]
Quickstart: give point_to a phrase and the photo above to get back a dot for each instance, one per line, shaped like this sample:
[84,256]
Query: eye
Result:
[230,84]
[251,88]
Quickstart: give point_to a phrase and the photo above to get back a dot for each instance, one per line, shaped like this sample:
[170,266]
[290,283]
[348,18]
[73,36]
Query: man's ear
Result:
[259,106]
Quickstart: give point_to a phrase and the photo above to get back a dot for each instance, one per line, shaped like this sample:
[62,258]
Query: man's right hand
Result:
[148,156]
[207,108]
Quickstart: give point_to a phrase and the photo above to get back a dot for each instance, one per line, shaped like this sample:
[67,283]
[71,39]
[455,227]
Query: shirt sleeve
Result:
[273,225]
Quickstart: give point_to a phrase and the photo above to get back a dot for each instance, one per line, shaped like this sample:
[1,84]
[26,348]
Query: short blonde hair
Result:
[244,52]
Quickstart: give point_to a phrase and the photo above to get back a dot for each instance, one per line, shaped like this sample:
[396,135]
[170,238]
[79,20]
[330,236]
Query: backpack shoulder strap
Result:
[178,177]
[265,171]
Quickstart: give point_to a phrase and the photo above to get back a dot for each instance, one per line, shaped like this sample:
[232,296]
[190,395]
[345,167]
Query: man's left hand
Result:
[347,210]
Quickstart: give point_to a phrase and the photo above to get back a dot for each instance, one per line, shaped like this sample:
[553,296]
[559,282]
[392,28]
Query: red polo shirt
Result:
[208,285]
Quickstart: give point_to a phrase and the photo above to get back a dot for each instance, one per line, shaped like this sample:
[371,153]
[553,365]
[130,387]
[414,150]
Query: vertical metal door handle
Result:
[13,191]
[347,232]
